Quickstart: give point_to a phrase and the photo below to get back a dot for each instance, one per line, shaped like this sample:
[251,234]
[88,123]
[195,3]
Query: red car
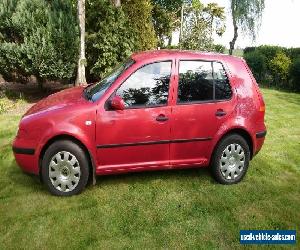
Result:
[158,110]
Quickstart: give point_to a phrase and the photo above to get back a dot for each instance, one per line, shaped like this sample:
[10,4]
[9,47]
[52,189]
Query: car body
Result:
[178,107]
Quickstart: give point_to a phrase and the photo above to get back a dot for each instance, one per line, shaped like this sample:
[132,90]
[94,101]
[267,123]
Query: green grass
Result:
[174,209]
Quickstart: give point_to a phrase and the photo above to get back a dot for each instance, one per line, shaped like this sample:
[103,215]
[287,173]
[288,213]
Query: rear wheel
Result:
[230,160]
[65,168]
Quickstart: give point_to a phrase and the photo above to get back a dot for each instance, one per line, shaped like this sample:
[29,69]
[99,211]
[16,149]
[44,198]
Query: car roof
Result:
[160,54]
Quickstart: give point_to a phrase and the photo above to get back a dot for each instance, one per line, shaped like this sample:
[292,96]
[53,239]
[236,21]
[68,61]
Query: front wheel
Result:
[230,160]
[65,168]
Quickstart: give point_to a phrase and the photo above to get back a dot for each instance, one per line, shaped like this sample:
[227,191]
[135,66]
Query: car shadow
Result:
[150,176]
[32,183]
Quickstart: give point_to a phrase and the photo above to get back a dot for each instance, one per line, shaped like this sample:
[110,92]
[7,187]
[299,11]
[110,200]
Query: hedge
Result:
[275,66]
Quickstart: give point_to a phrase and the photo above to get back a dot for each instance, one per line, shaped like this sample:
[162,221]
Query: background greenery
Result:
[274,66]
[40,37]
[161,209]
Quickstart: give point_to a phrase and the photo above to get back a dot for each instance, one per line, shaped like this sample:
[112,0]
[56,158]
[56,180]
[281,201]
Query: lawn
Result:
[174,209]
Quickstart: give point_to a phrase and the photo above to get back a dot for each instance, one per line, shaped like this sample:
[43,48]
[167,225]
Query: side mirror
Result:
[117,103]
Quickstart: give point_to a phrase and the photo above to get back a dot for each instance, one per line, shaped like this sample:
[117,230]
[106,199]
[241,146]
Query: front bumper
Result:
[25,156]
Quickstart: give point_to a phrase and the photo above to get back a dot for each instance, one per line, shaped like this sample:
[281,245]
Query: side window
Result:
[195,81]
[222,85]
[148,86]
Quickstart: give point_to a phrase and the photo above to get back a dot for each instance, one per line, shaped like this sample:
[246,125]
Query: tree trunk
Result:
[170,40]
[80,80]
[235,29]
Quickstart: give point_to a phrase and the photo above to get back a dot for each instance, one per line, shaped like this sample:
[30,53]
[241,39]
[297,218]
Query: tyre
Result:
[65,168]
[230,160]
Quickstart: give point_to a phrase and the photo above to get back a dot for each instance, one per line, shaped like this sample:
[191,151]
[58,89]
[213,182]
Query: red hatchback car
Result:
[158,110]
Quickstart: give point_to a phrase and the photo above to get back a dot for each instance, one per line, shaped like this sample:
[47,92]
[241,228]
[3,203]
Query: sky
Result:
[279,26]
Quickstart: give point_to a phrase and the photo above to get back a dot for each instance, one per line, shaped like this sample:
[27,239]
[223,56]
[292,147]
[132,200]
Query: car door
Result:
[203,102]
[138,136]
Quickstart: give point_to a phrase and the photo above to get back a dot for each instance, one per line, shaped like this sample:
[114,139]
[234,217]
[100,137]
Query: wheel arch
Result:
[242,132]
[92,165]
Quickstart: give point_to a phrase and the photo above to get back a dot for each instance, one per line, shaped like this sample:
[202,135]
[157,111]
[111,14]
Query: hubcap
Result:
[232,161]
[64,171]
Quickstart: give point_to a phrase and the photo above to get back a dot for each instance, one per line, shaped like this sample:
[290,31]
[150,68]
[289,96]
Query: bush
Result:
[39,38]
[295,74]
[249,49]
[257,63]
[280,66]
[275,66]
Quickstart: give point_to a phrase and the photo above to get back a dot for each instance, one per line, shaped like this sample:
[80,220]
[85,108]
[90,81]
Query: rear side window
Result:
[222,86]
[202,81]
[195,81]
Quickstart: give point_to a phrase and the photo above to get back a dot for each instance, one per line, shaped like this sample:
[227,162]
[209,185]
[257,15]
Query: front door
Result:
[138,136]
[204,101]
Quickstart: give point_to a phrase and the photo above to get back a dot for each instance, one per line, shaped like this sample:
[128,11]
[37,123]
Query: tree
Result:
[110,38]
[216,18]
[166,19]
[38,38]
[200,22]
[82,60]
[246,15]
[139,15]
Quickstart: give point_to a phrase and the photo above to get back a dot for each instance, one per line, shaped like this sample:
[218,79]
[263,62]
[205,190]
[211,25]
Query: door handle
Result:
[161,118]
[220,112]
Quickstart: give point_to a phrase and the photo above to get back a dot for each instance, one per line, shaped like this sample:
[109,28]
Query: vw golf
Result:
[158,110]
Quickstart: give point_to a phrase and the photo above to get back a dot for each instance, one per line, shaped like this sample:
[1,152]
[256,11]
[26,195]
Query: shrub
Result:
[257,63]
[249,49]
[295,74]
[280,66]
[39,37]
[269,51]
[293,53]
[109,37]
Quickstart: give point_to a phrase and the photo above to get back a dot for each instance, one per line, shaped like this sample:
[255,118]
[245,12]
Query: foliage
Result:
[138,13]
[109,37]
[249,49]
[215,16]
[295,74]
[274,66]
[246,16]
[219,48]
[38,37]
[163,22]
[200,22]
[166,18]
[257,63]
[280,66]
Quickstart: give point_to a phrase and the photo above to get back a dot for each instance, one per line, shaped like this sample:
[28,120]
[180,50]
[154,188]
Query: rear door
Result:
[203,102]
